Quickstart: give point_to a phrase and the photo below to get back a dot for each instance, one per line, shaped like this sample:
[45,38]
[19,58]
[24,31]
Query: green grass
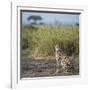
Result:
[41,39]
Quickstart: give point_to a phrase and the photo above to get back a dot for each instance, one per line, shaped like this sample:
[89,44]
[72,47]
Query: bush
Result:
[42,38]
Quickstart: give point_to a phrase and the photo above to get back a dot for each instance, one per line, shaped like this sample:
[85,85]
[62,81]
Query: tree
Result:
[35,18]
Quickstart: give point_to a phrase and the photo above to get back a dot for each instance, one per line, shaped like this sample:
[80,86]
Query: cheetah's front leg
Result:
[57,66]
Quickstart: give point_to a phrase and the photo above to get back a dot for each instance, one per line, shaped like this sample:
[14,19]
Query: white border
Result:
[46,81]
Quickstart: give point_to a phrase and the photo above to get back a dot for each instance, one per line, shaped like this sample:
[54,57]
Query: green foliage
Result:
[41,39]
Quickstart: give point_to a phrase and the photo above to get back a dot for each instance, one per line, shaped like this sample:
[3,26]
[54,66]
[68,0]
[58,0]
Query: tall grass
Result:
[41,39]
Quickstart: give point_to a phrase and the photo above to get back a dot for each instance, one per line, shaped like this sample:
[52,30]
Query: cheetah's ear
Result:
[56,45]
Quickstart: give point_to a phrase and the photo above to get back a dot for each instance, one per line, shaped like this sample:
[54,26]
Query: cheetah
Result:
[62,61]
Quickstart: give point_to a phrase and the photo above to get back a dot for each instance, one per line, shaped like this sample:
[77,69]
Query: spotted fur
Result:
[63,61]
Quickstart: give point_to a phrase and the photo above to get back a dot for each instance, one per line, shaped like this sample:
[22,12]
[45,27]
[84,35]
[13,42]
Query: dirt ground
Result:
[43,68]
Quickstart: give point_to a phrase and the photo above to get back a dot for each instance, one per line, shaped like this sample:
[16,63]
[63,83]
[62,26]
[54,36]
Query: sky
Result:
[51,18]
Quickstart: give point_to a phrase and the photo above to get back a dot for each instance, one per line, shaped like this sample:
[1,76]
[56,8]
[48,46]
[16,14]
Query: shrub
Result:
[41,39]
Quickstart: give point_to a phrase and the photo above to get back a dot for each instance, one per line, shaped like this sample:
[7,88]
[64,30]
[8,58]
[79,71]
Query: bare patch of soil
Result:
[42,68]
